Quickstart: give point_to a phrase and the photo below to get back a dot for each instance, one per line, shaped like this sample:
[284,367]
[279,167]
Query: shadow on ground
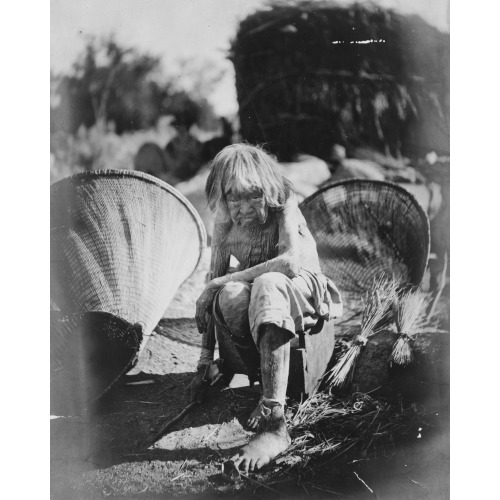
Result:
[118,436]
[111,451]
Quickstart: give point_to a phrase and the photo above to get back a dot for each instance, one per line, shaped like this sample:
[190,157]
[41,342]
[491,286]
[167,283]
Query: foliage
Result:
[198,77]
[185,110]
[93,148]
[113,83]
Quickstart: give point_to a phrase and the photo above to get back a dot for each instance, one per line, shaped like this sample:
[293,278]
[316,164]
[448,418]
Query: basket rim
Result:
[59,316]
[367,183]
[81,177]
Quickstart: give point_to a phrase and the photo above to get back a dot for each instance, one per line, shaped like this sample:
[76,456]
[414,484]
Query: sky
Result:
[180,28]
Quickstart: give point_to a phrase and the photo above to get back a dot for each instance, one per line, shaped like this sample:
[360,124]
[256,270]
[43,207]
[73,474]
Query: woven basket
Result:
[367,228]
[89,352]
[122,242]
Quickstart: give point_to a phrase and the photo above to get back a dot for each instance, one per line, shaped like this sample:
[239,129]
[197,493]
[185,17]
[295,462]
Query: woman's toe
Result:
[244,465]
[252,423]
[259,464]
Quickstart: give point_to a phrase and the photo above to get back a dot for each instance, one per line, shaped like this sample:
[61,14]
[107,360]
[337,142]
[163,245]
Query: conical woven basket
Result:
[122,242]
[364,229]
[89,352]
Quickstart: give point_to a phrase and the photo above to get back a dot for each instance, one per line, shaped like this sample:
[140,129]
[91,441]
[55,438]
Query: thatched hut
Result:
[307,78]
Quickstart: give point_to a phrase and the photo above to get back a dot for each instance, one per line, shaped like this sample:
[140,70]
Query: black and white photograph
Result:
[250,249]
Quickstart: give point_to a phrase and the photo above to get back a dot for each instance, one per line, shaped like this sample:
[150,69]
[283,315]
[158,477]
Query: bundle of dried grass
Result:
[375,316]
[409,311]
[324,425]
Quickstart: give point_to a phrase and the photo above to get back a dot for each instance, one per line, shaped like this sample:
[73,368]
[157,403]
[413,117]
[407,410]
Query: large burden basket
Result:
[367,228]
[122,242]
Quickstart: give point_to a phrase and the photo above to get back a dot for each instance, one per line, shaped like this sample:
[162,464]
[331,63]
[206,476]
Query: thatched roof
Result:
[304,82]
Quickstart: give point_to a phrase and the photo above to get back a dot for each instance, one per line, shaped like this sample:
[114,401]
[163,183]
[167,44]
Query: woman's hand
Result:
[197,389]
[204,304]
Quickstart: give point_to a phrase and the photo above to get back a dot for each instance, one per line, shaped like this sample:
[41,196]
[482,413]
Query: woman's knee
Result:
[271,279]
[233,296]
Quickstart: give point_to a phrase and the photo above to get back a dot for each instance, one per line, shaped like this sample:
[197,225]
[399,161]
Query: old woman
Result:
[275,290]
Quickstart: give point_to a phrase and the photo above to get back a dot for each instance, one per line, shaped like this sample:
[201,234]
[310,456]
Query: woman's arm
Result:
[219,264]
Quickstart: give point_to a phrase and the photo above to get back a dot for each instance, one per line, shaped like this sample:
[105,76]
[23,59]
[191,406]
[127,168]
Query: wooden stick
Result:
[178,417]
[141,382]
[144,402]
[328,491]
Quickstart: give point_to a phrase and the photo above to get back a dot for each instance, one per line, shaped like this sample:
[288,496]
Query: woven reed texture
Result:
[303,83]
[122,242]
[367,228]
[88,353]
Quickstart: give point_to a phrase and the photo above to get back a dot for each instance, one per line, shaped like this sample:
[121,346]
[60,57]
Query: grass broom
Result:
[410,316]
[378,306]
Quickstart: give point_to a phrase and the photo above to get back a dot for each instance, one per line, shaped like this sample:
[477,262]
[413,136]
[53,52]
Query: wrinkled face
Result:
[247,207]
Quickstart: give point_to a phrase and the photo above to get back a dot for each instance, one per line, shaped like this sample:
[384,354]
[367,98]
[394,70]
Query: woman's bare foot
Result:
[272,440]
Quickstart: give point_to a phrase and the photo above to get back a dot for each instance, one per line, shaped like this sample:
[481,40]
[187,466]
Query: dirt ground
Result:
[113,450]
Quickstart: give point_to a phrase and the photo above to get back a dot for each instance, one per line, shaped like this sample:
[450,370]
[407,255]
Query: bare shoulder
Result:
[295,222]
[287,218]
[291,218]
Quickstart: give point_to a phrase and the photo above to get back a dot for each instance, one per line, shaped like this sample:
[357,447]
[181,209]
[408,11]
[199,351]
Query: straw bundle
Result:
[378,305]
[324,425]
[304,82]
[410,318]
